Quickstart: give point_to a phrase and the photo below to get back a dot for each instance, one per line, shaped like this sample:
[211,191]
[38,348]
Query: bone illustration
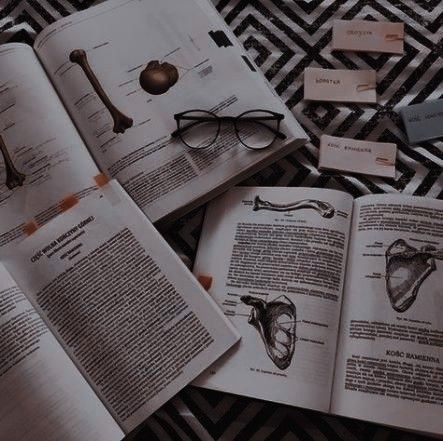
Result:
[13,177]
[157,78]
[275,321]
[121,121]
[324,208]
[406,269]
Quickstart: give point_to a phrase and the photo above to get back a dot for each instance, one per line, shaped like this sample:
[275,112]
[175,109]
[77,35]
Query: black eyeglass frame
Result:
[273,116]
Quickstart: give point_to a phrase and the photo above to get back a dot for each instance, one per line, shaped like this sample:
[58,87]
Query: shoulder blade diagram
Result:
[406,269]
[275,321]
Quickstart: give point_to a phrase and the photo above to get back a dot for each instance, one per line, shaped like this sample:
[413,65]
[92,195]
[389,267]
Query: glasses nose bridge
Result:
[227,119]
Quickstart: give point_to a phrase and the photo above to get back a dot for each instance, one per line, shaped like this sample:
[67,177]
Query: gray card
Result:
[423,121]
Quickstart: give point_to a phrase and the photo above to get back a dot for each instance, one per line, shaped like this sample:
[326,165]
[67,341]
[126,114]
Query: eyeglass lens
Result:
[198,134]
[257,129]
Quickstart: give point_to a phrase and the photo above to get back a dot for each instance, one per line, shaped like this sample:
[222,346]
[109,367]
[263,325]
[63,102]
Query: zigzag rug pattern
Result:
[284,37]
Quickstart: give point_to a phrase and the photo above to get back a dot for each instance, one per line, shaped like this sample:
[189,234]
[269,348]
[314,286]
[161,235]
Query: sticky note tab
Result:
[356,86]
[423,121]
[68,202]
[368,36]
[205,281]
[30,228]
[101,180]
[366,157]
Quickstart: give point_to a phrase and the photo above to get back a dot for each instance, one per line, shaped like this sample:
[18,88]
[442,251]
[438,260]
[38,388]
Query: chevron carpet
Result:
[284,37]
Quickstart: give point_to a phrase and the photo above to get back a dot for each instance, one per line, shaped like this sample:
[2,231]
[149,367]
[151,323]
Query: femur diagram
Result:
[406,269]
[121,121]
[275,321]
[325,209]
[13,177]
[156,79]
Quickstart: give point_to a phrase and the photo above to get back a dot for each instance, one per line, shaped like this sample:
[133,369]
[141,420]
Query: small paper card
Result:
[355,86]
[423,121]
[367,157]
[368,36]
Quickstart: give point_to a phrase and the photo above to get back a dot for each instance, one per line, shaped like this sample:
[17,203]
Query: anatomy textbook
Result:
[94,97]
[100,324]
[339,301]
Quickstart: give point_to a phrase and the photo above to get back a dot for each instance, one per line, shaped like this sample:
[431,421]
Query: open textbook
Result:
[98,94]
[100,324]
[339,301]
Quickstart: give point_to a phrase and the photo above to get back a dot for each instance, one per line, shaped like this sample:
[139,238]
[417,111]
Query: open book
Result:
[100,324]
[338,301]
[98,94]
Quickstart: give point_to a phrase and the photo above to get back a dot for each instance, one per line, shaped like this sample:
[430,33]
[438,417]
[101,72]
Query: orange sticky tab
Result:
[205,281]
[101,180]
[68,202]
[30,228]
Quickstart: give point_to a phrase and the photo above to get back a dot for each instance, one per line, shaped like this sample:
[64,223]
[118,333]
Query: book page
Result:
[273,259]
[42,158]
[123,305]
[390,361]
[42,394]
[124,84]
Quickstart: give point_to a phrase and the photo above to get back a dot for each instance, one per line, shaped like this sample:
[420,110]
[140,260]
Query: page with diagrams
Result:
[123,85]
[42,157]
[390,360]
[274,260]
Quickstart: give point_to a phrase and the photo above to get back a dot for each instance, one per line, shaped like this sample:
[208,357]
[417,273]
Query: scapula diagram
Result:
[121,121]
[275,321]
[406,269]
[13,177]
[324,208]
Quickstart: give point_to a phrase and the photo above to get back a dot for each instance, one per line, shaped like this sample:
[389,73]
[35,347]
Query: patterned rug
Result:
[284,37]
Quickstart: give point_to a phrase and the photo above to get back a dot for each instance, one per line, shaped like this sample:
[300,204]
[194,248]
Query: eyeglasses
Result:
[255,129]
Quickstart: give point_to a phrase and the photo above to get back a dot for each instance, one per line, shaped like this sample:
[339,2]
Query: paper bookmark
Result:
[205,281]
[368,36]
[366,157]
[357,86]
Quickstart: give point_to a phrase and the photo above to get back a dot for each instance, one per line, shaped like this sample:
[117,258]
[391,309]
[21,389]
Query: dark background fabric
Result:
[284,37]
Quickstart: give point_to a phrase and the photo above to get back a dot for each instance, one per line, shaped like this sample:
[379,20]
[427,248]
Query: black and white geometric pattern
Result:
[284,37]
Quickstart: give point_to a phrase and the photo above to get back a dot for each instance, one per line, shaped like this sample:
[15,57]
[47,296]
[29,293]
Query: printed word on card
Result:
[368,36]
[366,157]
[423,121]
[355,86]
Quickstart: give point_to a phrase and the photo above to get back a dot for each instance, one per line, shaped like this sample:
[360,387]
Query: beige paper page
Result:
[43,158]
[202,68]
[123,305]
[42,394]
[390,360]
[276,257]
